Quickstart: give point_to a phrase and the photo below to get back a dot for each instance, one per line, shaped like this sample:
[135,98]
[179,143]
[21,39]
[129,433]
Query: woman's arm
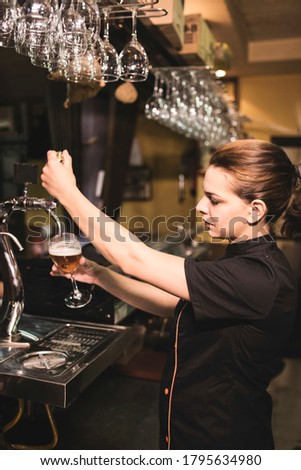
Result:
[136,293]
[115,242]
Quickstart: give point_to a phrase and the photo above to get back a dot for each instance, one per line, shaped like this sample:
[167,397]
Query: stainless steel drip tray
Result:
[63,361]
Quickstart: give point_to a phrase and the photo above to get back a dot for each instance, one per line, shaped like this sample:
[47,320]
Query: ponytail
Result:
[291,227]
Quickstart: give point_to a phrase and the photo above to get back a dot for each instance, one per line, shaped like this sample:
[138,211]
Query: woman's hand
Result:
[58,178]
[88,271]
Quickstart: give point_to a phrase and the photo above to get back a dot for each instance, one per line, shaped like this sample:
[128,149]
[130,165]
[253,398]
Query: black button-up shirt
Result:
[225,348]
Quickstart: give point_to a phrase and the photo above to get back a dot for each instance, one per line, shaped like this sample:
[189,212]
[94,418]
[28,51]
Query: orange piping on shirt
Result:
[173,377]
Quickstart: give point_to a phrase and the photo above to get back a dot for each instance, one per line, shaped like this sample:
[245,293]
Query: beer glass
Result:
[65,251]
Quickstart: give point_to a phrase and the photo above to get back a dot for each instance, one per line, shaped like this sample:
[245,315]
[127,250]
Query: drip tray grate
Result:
[58,367]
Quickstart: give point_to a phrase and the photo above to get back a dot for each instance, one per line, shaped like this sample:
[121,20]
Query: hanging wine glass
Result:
[89,11]
[33,20]
[74,37]
[133,60]
[88,67]
[39,54]
[110,65]
[98,60]
[174,100]
[165,91]
[21,46]
[7,24]
[153,104]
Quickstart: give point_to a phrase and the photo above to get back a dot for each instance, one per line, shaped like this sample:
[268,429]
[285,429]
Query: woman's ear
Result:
[258,210]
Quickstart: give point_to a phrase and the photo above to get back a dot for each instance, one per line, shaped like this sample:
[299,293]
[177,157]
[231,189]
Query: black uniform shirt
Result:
[225,348]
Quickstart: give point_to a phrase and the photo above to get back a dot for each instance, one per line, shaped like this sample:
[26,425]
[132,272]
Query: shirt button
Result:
[166,439]
[166,391]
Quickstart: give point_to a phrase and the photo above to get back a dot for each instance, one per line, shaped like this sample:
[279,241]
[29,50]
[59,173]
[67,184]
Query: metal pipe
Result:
[13,300]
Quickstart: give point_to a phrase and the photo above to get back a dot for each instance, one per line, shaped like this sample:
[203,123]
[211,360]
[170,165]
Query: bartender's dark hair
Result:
[263,170]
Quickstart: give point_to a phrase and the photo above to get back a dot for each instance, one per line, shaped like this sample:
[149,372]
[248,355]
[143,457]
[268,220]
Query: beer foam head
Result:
[64,251]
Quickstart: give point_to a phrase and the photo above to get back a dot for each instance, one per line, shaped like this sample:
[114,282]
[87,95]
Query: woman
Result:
[232,316]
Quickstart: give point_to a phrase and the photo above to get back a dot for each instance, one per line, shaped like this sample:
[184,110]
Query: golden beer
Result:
[65,251]
[67,260]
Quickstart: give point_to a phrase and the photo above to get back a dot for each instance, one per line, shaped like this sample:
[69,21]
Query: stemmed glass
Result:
[74,37]
[65,251]
[33,20]
[7,21]
[153,105]
[110,62]
[86,67]
[133,60]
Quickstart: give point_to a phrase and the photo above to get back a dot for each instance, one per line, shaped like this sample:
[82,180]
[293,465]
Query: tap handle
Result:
[34,203]
[25,173]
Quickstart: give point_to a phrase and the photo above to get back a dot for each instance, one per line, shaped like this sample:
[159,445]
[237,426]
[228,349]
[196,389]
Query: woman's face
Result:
[224,214]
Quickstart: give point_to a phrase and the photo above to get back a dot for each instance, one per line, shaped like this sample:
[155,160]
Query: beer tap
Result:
[25,173]
[13,300]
